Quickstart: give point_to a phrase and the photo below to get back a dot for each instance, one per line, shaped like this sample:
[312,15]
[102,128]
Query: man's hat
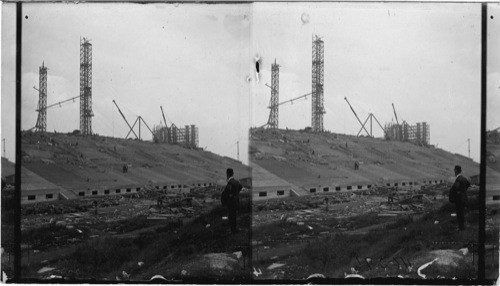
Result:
[229,171]
[458,168]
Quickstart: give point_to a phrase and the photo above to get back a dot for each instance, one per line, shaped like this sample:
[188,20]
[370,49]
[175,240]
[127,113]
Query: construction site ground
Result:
[132,238]
[363,234]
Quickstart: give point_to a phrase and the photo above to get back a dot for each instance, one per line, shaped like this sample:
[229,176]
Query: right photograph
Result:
[365,141]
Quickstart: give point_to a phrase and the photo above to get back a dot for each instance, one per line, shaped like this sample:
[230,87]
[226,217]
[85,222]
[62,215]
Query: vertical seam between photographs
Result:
[482,173]
[17,193]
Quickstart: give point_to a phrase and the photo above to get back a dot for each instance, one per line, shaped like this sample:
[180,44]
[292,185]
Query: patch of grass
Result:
[205,234]
[169,226]
[107,257]
[99,256]
[52,234]
[276,231]
[132,224]
[363,220]
[400,223]
[337,254]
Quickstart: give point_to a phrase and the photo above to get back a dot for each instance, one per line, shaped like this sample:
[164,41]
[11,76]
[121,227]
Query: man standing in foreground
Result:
[458,195]
[230,198]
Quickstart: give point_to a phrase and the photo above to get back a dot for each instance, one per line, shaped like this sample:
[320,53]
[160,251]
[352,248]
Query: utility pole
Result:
[468,140]
[4,147]
[238,149]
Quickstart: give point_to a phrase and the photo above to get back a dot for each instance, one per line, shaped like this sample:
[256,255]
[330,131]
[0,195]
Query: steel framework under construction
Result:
[418,134]
[187,136]
[86,87]
[173,135]
[273,104]
[318,66]
[41,122]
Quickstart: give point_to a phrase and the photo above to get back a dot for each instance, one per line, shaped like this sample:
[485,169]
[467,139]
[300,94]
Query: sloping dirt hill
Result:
[304,158]
[78,162]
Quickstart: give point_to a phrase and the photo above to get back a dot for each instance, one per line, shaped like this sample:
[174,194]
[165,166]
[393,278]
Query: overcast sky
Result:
[196,60]
[424,58]
[191,59]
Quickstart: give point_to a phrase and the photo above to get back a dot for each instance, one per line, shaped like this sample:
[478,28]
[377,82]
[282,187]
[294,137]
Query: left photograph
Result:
[135,124]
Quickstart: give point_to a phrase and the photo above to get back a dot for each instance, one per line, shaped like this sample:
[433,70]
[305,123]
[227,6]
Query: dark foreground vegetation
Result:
[395,249]
[138,251]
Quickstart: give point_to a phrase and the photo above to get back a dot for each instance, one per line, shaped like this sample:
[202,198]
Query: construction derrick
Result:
[86,87]
[317,84]
[273,104]
[370,117]
[41,122]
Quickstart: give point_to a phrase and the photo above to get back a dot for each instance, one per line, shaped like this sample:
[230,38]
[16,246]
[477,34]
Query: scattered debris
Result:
[157,277]
[45,269]
[464,250]
[52,276]
[316,275]
[125,275]
[354,276]
[238,254]
[275,265]
[257,273]
[425,266]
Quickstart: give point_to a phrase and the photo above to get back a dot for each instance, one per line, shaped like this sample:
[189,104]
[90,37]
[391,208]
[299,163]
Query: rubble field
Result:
[376,233]
[56,233]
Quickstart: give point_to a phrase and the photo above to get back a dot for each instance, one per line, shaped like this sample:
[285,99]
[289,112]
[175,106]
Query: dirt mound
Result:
[87,162]
[305,158]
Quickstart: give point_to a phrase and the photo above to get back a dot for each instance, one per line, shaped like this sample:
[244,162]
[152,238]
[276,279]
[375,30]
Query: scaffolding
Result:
[418,134]
[41,122]
[273,104]
[86,87]
[421,133]
[193,136]
[317,84]
[187,136]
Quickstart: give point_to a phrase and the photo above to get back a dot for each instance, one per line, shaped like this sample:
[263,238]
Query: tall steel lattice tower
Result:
[86,87]
[318,66]
[275,94]
[41,122]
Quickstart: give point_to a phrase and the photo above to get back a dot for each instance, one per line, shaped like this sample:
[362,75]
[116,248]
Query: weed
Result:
[52,234]
[132,224]
[102,255]
[402,222]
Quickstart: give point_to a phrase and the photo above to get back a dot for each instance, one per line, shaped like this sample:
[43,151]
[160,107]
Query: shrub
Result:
[103,255]
[333,251]
[400,223]
[144,239]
